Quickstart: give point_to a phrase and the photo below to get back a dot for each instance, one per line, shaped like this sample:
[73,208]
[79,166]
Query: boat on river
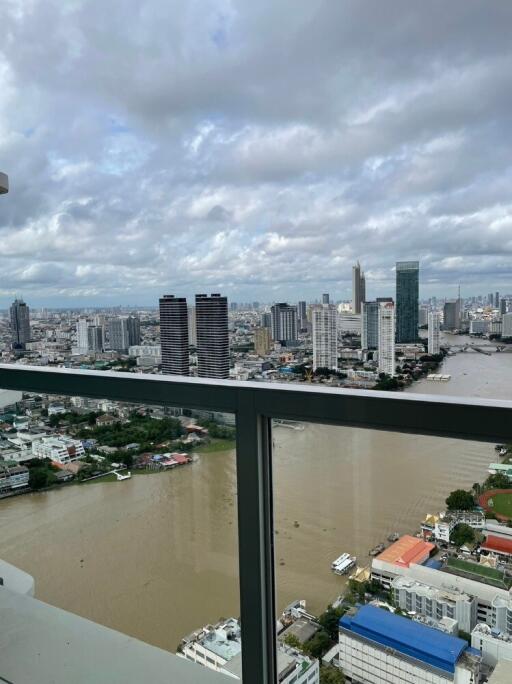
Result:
[343,564]
[376,550]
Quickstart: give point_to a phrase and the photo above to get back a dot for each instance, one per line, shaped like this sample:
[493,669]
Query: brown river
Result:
[156,556]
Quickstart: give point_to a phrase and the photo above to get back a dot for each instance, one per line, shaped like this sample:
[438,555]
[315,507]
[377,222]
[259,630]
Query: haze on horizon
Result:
[256,149]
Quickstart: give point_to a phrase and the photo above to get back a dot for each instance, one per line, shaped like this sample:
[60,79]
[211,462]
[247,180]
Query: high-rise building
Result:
[95,338]
[370,323]
[325,298]
[262,341]
[451,315]
[496,300]
[325,337]
[434,324]
[407,294]
[302,315]
[212,336]
[503,306]
[358,288]
[174,335]
[20,324]
[192,329]
[133,323]
[387,338]
[266,320]
[284,324]
[118,335]
[82,337]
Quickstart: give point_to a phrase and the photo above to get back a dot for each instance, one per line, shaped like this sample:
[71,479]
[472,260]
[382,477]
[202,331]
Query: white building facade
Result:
[58,449]
[387,338]
[434,326]
[325,337]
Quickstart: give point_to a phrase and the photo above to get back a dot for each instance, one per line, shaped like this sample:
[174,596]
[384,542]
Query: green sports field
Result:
[502,503]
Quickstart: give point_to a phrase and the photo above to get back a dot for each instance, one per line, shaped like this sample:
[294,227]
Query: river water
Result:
[156,556]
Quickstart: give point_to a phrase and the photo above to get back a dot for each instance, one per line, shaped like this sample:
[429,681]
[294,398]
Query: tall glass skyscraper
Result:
[407,296]
[20,324]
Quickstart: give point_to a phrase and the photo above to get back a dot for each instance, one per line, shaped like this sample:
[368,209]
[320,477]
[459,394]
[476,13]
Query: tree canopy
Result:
[460,500]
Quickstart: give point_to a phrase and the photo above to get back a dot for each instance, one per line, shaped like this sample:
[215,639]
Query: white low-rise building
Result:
[58,449]
[492,644]
[219,647]
[427,601]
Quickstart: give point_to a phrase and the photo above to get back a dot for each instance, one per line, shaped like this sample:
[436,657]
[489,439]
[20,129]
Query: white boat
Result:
[340,559]
[343,564]
[123,477]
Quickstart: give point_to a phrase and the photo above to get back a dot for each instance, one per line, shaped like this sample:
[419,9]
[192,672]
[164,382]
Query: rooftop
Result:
[502,673]
[413,639]
[407,550]
[497,544]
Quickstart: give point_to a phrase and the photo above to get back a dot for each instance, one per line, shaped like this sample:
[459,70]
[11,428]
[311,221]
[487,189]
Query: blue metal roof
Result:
[411,638]
[433,563]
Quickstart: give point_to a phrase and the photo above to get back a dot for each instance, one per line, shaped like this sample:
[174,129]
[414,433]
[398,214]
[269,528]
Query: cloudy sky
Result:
[253,148]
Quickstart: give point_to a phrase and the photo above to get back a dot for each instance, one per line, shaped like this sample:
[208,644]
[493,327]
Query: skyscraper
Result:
[302,315]
[451,315]
[174,339]
[284,324]
[133,323]
[82,336]
[407,295]
[369,325]
[496,300]
[503,306]
[20,324]
[212,336]
[358,288]
[192,329]
[325,337]
[325,298]
[387,338]
[95,338]
[434,324]
[118,335]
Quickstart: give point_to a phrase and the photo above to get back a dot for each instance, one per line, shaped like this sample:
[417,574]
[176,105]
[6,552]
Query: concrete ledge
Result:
[40,644]
[16,580]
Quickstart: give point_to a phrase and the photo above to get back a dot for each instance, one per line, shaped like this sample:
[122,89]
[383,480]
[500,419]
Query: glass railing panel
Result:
[359,497]
[127,515]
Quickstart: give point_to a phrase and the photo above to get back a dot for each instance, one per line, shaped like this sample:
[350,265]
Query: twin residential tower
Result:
[210,328]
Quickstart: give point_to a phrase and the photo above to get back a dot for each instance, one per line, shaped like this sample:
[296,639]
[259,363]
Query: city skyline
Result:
[121,166]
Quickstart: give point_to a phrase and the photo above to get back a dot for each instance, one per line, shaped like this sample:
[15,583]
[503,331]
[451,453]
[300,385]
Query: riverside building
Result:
[434,325]
[407,293]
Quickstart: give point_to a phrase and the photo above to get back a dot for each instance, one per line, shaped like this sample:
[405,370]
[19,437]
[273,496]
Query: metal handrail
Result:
[255,404]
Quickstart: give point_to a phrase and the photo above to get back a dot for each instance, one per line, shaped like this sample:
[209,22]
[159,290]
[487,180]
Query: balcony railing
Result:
[255,405]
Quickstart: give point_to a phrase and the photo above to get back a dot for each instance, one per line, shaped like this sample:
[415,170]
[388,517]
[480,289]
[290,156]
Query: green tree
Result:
[292,641]
[331,675]
[462,534]
[330,619]
[460,500]
[497,481]
[38,478]
[319,644]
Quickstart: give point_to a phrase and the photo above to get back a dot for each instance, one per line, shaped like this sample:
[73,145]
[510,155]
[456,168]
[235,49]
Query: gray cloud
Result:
[255,148]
